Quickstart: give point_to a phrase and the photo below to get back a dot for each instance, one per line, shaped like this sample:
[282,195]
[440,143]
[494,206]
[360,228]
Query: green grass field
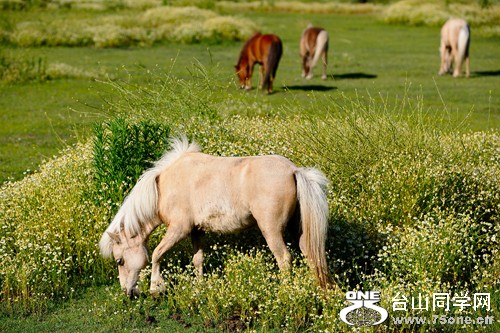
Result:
[412,157]
[367,58]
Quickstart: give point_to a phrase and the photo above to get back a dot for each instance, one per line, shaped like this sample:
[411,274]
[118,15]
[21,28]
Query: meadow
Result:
[412,159]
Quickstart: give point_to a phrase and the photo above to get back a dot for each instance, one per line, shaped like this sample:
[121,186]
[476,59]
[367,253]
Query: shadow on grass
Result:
[310,87]
[486,73]
[352,76]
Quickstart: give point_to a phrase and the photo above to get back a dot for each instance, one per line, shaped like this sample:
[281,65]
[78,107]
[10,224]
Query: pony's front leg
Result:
[172,237]
[248,80]
[445,62]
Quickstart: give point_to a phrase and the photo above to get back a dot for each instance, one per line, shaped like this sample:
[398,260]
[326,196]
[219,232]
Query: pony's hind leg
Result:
[173,235]
[324,58]
[273,231]
[197,240]
[278,248]
[261,76]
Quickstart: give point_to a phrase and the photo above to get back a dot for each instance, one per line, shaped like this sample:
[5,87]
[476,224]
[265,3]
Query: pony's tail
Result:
[273,59]
[311,192]
[463,45]
[321,45]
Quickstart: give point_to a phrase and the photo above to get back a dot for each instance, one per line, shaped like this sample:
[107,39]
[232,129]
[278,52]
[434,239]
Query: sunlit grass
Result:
[414,209]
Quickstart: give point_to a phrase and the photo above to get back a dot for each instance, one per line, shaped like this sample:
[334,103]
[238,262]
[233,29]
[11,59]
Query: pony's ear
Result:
[122,230]
[114,237]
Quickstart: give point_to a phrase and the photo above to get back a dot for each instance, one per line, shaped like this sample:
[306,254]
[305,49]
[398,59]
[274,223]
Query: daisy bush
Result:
[49,228]
[414,208]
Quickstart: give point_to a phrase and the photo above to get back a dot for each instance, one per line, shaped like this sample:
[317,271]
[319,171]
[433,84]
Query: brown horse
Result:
[193,193]
[313,45]
[455,41]
[265,50]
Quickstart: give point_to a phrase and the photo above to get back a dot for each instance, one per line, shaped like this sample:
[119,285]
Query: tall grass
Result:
[415,209]
[127,28]
[319,7]
[18,70]
[483,19]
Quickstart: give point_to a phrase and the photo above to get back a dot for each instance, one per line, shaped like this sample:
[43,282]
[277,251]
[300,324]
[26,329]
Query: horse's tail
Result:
[273,59]
[311,193]
[463,44]
[321,45]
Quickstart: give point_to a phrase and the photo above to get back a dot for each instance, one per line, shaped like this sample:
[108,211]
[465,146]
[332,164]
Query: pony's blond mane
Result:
[140,206]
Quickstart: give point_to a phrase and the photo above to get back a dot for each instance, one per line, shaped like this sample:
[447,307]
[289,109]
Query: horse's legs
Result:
[443,50]
[309,74]
[305,64]
[278,248]
[455,57]
[261,75]
[325,63]
[272,223]
[248,80]
[173,235]
[197,240]
[467,70]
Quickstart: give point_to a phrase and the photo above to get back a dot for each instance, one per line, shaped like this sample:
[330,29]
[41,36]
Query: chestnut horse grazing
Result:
[455,40]
[265,50]
[193,193]
[313,45]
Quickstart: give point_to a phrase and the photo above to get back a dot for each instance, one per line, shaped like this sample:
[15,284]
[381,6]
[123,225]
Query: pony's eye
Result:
[120,262]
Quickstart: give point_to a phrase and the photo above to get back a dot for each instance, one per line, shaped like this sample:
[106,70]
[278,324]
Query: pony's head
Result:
[242,71]
[129,253]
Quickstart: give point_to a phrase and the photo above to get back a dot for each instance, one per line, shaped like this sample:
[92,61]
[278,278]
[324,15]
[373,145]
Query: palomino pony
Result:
[265,50]
[193,193]
[313,45]
[455,40]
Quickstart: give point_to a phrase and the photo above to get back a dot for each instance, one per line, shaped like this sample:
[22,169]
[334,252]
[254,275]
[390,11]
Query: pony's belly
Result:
[223,221]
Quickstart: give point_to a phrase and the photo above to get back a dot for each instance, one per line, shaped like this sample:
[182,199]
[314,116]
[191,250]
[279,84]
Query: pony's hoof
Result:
[309,76]
[324,77]
[133,293]
[157,288]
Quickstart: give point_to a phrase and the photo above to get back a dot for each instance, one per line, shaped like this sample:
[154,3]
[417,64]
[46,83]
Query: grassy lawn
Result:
[86,313]
[367,58]
[369,61]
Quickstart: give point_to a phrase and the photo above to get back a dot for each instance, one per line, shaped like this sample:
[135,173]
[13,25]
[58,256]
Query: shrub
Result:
[121,153]
[17,71]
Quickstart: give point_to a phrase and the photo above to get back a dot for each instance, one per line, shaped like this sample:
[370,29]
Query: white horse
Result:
[313,45]
[455,40]
[193,193]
